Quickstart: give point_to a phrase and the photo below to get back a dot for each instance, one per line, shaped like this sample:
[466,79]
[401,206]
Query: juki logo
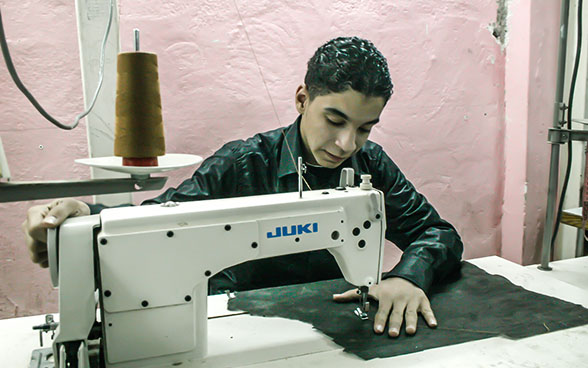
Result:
[280,231]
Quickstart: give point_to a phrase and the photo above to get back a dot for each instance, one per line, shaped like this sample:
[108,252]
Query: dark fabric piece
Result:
[263,164]
[472,307]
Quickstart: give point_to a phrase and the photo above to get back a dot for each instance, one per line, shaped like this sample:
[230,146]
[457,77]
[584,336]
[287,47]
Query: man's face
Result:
[336,125]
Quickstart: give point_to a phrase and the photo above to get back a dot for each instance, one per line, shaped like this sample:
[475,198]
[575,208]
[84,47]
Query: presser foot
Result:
[359,312]
[364,304]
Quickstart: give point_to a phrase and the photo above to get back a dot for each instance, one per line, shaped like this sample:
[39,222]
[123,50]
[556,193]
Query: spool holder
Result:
[28,191]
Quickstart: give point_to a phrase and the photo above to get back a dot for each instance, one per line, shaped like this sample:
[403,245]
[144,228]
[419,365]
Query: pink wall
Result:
[545,24]
[515,142]
[443,126]
[530,80]
[43,41]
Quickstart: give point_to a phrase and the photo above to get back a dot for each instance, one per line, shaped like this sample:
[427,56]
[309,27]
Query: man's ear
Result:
[302,99]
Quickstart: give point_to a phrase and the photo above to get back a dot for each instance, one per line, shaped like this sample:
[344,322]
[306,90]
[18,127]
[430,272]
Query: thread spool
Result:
[138,136]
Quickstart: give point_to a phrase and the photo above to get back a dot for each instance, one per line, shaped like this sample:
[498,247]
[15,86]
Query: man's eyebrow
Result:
[340,113]
[337,112]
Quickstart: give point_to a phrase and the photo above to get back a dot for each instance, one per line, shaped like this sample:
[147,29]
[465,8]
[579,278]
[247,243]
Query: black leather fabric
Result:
[265,164]
[471,306]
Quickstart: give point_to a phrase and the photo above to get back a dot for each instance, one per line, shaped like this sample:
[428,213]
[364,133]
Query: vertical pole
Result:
[92,17]
[580,240]
[554,163]
[136,33]
[300,188]
[580,233]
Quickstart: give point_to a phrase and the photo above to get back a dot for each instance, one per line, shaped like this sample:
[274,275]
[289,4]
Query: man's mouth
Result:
[333,157]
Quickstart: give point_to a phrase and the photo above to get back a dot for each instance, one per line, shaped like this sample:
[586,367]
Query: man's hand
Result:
[398,300]
[40,218]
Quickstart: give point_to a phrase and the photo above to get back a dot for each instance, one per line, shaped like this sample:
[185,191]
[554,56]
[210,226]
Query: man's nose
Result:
[346,141]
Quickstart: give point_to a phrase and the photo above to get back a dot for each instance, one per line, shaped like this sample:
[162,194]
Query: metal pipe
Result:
[581,230]
[550,211]
[136,33]
[300,176]
[554,164]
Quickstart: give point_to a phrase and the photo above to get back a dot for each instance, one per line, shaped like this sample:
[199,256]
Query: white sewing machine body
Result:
[150,265]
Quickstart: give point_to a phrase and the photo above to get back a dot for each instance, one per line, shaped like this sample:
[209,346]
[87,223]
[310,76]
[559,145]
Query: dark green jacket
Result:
[263,164]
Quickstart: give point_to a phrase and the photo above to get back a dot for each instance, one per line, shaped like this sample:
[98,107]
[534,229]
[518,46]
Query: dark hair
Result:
[348,62]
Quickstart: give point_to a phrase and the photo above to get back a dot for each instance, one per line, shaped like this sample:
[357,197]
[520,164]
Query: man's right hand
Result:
[48,216]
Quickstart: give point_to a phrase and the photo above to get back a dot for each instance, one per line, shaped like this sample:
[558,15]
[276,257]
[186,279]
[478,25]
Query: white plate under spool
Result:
[167,162]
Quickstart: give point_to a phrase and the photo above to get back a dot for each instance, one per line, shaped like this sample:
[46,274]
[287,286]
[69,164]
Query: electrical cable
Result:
[569,120]
[25,91]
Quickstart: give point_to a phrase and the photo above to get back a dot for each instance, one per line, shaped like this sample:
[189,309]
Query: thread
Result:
[138,136]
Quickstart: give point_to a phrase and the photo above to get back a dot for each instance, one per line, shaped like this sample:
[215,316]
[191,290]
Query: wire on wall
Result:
[25,91]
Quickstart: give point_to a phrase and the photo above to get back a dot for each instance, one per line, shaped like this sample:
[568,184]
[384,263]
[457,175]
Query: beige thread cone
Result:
[139,123]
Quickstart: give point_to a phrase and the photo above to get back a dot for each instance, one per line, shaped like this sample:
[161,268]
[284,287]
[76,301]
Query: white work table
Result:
[244,340]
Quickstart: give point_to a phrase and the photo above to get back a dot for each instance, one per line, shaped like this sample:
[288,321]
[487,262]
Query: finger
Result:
[59,210]
[39,257]
[396,318]
[42,257]
[347,296]
[411,316]
[384,307]
[32,225]
[427,312]
[354,294]
[44,264]
[38,252]
[35,248]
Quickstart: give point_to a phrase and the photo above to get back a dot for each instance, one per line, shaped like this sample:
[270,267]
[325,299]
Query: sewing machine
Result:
[147,267]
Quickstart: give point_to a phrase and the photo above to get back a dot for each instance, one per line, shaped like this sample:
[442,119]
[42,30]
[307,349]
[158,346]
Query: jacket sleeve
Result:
[215,178]
[432,247]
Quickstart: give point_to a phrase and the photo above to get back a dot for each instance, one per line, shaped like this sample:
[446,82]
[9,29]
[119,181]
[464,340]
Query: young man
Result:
[345,90]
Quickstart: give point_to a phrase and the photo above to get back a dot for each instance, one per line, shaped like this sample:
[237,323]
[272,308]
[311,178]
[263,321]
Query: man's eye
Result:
[337,123]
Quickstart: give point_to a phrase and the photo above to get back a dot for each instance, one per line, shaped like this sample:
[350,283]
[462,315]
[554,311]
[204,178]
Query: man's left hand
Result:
[398,300]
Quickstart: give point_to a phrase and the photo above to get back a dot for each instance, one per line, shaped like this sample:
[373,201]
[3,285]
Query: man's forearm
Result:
[430,258]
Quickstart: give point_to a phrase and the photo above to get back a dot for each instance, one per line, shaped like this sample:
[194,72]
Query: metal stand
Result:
[557,136]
